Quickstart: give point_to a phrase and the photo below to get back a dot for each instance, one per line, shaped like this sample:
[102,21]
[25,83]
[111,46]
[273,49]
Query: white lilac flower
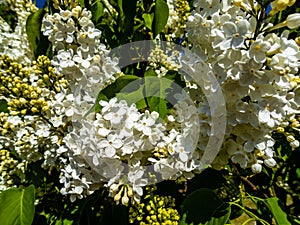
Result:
[234,34]
[258,50]
[65,14]
[250,72]
[65,32]
[43,130]
[207,7]
[115,115]
[65,58]
[110,145]
[145,123]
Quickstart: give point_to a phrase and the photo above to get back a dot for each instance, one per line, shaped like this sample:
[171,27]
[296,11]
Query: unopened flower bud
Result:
[256,168]
[270,162]
[290,138]
[280,129]
[114,187]
[294,144]
[125,200]
[129,192]
[34,109]
[117,197]
[293,20]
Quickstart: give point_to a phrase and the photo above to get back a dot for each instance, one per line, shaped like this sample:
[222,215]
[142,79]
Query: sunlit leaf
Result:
[133,93]
[97,9]
[17,206]
[148,18]
[279,215]
[119,84]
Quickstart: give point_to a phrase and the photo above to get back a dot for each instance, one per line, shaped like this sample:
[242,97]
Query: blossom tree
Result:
[149,112]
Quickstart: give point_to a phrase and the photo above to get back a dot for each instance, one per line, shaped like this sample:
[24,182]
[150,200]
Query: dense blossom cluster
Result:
[179,10]
[258,73]
[14,42]
[31,127]
[54,113]
[115,145]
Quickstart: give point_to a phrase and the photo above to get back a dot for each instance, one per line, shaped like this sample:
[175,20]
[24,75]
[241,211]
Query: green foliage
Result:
[198,211]
[38,42]
[148,19]
[150,92]
[133,93]
[97,9]
[17,206]
[3,106]
[161,15]
[205,200]
[274,206]
[215,220]
[157,92]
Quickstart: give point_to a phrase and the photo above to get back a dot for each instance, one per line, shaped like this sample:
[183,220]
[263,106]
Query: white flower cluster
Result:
[117,146]
[161,62]
[123,148]
[14,42]
[257,73]
[31,127]
[179,10]
[80,55]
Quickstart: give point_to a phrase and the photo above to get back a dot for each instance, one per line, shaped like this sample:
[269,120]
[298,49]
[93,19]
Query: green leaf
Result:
[111,90]
[215,220]
[38,42]
[279,215]
[298,173]
[157,92]
[64,222]
[81,3]
[129,9]
[148,18]
[201,206]
[97,10]
[119,84]
[17,206]
[221,218]
[183,220]
[133,93]
[3,106]
[161,15]
[97,107]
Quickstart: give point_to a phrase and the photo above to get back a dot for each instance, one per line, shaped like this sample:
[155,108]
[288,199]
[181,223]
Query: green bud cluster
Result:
[159,58]
[290,131]
[10,169]
[47,76]
[230,190]
[155,210]
[23,98]
[5,126]
[183,10]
